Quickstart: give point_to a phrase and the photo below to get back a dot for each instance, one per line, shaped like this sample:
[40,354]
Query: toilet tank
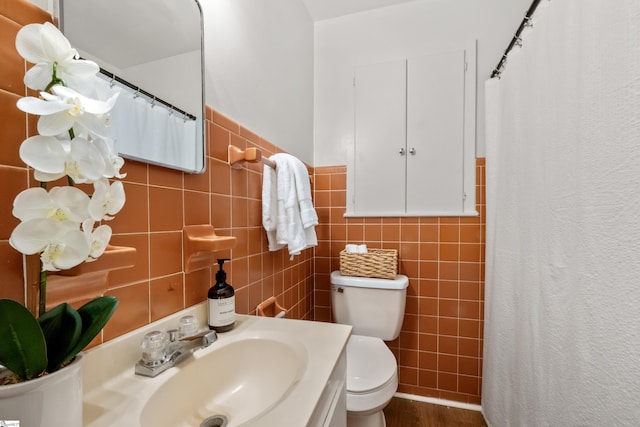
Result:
[374,307]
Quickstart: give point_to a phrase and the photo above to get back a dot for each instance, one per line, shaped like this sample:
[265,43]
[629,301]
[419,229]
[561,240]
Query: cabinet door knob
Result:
[412,151]
[401,151]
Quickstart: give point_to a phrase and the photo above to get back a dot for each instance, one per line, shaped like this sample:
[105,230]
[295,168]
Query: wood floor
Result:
[411,413]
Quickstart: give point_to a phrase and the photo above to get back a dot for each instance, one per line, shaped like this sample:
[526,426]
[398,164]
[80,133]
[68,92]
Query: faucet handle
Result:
[187,326]
[153,348]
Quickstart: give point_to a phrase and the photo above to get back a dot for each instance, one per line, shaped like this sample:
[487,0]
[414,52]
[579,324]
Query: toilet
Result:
[375,309]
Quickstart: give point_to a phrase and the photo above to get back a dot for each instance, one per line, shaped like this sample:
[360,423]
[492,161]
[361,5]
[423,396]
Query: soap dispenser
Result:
[222,302]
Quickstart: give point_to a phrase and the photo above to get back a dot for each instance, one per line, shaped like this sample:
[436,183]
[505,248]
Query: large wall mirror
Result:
[151,51]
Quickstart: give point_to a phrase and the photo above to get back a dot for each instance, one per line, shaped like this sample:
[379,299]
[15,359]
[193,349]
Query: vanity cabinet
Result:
[331,410]
[415,136]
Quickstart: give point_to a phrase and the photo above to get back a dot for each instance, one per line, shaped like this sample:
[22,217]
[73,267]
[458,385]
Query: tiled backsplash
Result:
[440,346]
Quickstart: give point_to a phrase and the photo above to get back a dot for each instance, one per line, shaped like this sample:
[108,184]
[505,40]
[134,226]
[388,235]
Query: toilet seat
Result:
[372,374]
[370,364]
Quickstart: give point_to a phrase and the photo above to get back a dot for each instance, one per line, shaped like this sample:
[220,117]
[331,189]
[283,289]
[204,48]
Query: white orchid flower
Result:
[85,163]
[98,239]
[52,159]
[69,250]
[107,200]
[61,247]
[65,108]
[66,205]
[112,161]
[50,224]
[32,236]
[44,45]
[43,153]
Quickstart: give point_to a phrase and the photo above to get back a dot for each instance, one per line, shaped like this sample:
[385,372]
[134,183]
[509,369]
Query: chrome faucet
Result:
[161,351]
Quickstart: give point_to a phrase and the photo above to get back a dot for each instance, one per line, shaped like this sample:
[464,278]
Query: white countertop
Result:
[115,396]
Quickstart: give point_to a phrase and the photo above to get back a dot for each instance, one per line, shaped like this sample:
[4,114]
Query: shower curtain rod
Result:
[140,91]
[516,40]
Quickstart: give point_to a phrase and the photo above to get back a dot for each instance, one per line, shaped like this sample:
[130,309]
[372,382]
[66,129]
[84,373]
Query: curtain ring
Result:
[518,41]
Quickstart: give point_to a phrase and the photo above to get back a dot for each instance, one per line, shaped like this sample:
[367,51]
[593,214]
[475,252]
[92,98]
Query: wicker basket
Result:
[378,263]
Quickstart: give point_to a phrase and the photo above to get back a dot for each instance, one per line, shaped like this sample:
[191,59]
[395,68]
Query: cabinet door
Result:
[380,136]
[435,133]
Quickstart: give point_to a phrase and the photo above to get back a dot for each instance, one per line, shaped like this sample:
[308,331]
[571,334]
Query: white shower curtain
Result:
[142,130]
[562,317]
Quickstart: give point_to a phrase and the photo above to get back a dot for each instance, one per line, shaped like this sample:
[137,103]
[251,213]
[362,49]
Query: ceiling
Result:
[327,9]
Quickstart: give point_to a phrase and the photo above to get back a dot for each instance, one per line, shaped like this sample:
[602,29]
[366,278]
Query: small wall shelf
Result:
[89,279]
[200,244]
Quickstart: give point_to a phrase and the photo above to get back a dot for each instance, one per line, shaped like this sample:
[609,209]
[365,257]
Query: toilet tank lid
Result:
[400,282]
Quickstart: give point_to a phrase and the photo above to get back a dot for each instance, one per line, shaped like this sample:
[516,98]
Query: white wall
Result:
[187,97]
[259,68]
[393,32]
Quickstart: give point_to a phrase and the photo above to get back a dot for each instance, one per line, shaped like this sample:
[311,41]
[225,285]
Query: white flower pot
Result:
[54,400]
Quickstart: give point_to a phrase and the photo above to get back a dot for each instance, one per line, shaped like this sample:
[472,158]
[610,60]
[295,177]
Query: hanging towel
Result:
[270,207]
[303,188]
[288,215]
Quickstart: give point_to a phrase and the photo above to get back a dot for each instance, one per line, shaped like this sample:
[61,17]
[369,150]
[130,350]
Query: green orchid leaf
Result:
[95,314]
[23,349]
[61,326]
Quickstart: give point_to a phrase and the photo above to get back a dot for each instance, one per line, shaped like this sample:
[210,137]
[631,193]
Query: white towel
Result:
[303,188]
[359,249]
[288,215]
[270,207]
[351,248]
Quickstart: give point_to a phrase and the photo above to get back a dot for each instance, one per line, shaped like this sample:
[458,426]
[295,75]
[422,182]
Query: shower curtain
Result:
[145,130]
[562,302]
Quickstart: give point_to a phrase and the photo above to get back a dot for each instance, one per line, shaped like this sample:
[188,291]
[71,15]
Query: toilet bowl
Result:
[372,379]
[375,309]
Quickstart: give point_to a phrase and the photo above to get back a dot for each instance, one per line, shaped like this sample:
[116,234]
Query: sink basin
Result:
[240,380]
[264,372]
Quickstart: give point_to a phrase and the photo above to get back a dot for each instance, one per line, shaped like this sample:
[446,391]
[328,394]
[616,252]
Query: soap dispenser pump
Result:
[222,302]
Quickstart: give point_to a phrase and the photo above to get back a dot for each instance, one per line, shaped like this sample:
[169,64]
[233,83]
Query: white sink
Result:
[240,380]
[264,372]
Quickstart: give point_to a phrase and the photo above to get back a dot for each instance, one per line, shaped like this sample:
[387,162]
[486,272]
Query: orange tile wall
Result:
[160,202]
[439,350]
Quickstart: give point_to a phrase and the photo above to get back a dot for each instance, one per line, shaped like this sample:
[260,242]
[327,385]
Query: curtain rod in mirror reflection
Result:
[113,79]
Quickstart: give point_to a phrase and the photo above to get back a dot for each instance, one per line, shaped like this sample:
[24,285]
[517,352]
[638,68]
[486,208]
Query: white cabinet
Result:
[331,410]
[380,138]
[415,136]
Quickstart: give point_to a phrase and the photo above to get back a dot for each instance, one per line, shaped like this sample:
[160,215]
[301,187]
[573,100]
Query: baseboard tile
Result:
[442,402]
